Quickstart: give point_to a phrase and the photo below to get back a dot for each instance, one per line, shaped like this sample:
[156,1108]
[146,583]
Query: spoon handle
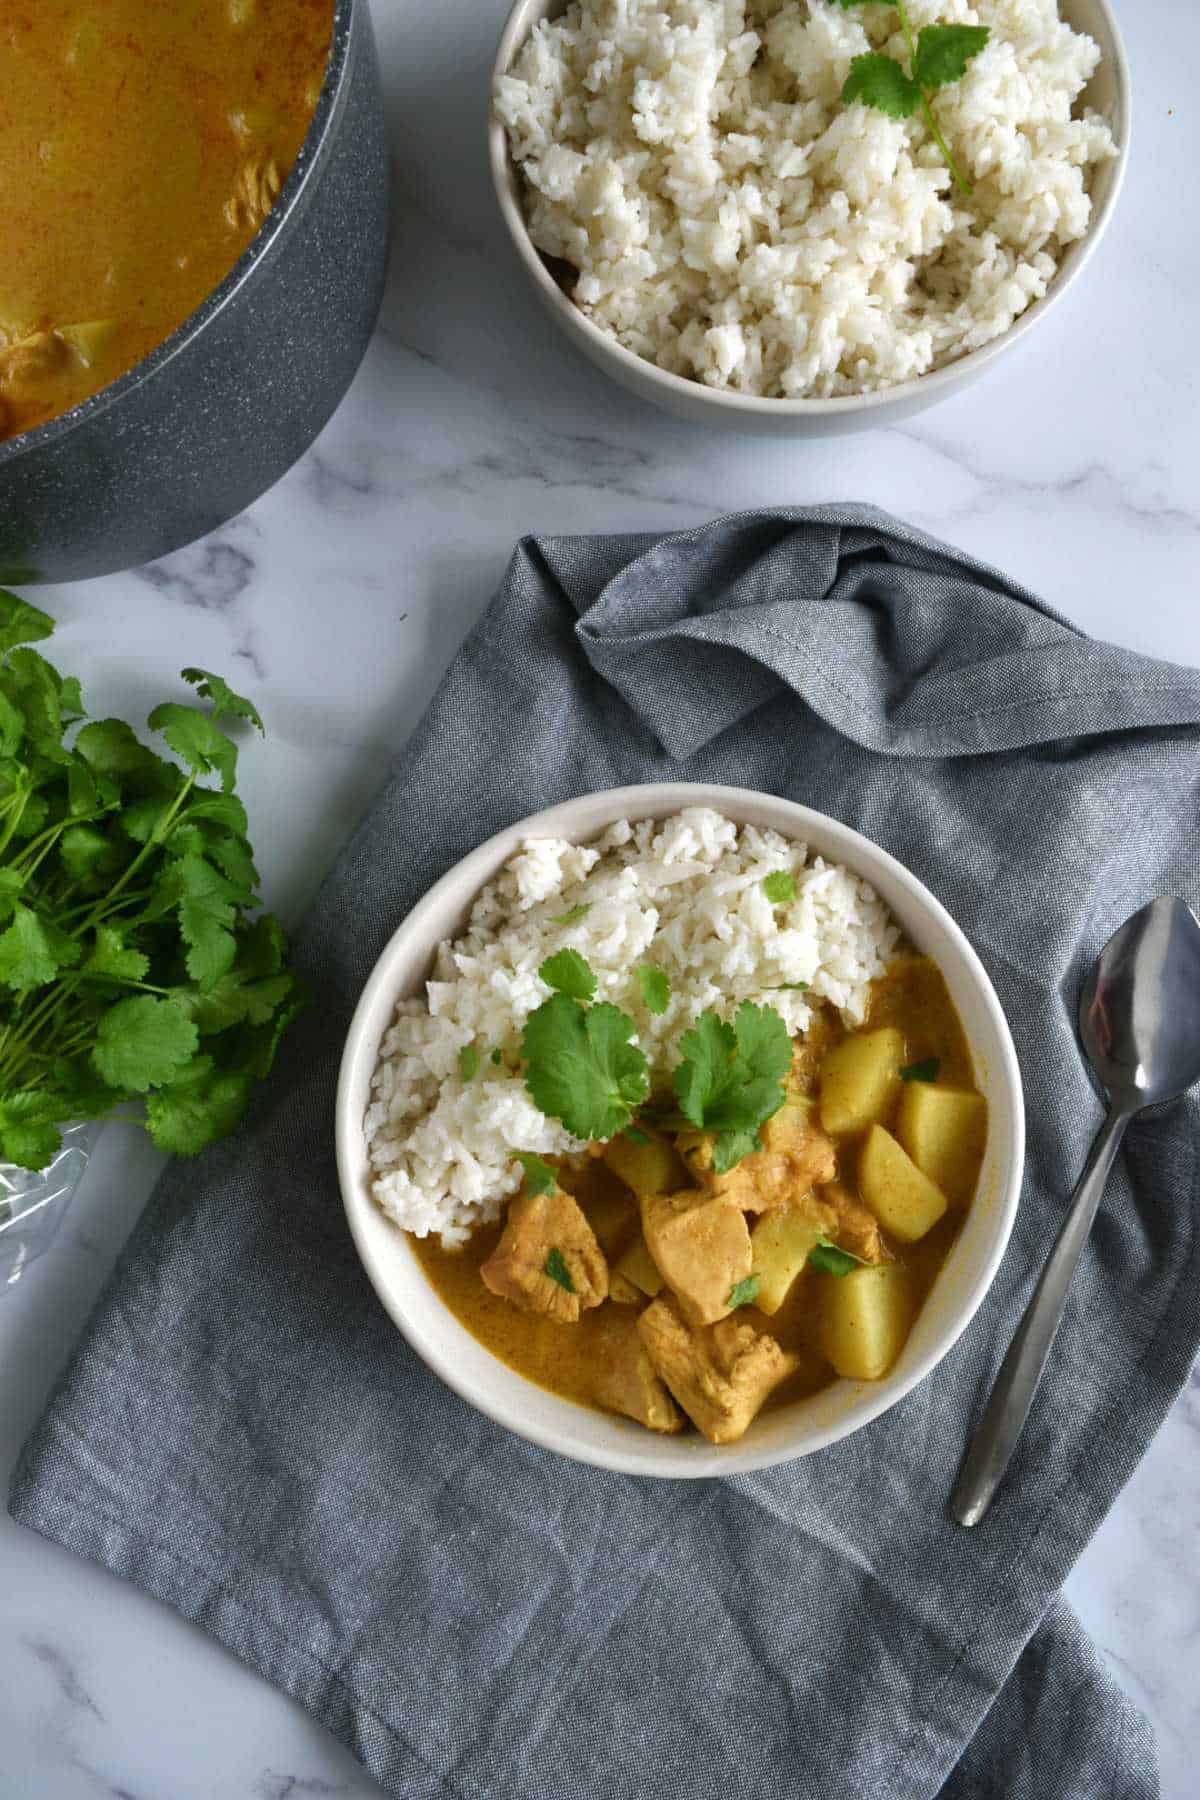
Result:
[997,1432]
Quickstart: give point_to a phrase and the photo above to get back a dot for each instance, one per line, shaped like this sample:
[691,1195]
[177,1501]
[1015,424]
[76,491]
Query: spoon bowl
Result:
[1139,1012]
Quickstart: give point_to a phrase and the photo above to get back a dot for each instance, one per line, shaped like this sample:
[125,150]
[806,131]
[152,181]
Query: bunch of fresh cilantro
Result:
[132,967]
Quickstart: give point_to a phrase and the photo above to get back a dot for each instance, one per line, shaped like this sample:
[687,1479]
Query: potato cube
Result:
[623,1291]
[944,1130]
[863,1318]
[780,1244]
[906,1202]
[654,1167]
[638,1266]
[89,340]
[859,1080]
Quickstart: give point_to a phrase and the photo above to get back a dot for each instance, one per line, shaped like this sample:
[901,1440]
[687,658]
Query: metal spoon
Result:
[1139,1019]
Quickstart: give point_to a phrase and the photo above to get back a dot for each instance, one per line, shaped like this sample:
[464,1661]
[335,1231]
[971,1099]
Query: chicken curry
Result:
[639,1280]
[142,145]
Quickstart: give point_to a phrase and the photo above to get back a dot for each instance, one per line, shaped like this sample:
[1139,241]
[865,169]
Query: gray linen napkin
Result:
[245,1434]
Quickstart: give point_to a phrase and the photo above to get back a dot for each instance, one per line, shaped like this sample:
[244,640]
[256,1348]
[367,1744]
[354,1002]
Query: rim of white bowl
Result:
[657,1456]
[506,185]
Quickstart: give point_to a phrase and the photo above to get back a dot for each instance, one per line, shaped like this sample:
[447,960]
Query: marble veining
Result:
[337,602]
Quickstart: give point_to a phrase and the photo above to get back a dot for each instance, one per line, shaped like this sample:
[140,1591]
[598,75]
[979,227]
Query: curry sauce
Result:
[142,145]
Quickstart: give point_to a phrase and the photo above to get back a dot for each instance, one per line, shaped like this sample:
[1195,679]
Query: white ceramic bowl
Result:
[601,1438]
[1108,92]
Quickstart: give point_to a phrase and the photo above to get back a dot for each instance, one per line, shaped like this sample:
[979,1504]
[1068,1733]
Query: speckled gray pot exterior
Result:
[207,422]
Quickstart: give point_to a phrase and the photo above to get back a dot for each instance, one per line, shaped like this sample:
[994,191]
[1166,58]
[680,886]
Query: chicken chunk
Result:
[855,1228]
[626,1380]
[720,1374]
[796,1157]
[548,1260]
[701,1247]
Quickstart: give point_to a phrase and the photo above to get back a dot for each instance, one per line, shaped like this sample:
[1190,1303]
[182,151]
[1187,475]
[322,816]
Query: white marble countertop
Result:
[337,602]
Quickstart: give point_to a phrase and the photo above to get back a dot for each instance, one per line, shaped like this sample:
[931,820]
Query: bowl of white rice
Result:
[713,225]
[421,1149]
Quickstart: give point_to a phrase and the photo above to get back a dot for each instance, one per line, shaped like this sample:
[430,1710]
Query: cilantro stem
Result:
[906,28]
[935,130]
[106,910]
[960,180]
[41,1011]
[19,800]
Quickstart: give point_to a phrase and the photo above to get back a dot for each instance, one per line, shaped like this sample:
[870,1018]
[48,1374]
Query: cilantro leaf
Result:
[70,700]
[30,1145]
[196,741]
[33,950]
[830,1259]
[745,1293]
[12,726]
[497,1057]
[264,1040]
[922,1071]
[656,989]
[556,1268]
[111,747]
[880,82]
[568,973]
[12,884]
[539,1176]
[780,887]
[468,1062]
[112,958]
[730,1079]
[88,854]
[224,700]
[708,1051]
[572,916]
[202,1104]
[143,1042]
[21,623]
[218,809]
[233,857]
[34,814]
[732,1145]
[943,52]
[255,988]
[581,1068]
[206,915]
[75,1091]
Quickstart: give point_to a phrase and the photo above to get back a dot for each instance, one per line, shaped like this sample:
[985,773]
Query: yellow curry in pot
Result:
[640,1280]
[142,145]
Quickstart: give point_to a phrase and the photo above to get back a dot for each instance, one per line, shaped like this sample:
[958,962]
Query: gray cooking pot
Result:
[219,411]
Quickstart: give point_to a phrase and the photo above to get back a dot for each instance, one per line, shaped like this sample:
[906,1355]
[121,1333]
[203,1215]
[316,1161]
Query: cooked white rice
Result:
[685,895]
[734,221]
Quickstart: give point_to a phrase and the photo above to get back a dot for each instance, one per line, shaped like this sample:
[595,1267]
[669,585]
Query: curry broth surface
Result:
[142,143]
[913,997]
